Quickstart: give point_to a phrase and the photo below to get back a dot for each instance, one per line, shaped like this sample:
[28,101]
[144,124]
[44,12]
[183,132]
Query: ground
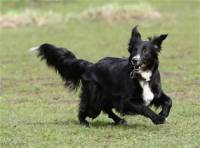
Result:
[37,111]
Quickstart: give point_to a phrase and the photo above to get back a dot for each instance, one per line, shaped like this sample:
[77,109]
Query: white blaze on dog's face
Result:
[136,57]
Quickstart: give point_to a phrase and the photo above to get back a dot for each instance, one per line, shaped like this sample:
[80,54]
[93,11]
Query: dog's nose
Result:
[135,59]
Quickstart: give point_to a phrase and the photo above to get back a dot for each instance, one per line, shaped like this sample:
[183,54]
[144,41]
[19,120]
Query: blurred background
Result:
[32,94]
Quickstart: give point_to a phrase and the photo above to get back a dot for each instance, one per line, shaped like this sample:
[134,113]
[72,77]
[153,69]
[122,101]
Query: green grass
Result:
[37,111]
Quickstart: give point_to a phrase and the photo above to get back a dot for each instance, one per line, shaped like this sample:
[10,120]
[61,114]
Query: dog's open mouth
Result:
[137,68]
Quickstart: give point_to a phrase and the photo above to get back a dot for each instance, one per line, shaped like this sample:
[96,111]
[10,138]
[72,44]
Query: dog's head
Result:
[144,54]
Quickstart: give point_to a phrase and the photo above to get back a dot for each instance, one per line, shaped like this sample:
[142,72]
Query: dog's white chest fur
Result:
[147,94]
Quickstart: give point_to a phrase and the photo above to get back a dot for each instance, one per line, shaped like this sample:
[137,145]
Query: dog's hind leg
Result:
[90,104]
[166,104]
[83,107]
[82,118]
[113,116]
[83,113]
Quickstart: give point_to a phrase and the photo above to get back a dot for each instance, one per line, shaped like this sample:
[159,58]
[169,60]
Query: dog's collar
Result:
[132,75]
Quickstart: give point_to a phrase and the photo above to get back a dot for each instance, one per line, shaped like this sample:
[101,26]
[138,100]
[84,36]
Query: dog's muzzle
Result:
[136,63]
[136,69]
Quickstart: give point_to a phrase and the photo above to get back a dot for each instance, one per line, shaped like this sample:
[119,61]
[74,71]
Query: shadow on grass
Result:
[99,124]
[94,124]
[55,122]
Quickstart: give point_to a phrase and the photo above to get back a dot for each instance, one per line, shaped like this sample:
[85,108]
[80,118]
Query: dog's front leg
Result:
[166,104]
[143,110]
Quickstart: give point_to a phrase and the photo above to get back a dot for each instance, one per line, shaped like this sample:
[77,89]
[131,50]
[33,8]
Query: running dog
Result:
[129,85]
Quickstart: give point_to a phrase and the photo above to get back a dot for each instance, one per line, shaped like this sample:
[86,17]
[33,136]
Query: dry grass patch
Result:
[117,12]
[109,13]
[27,17]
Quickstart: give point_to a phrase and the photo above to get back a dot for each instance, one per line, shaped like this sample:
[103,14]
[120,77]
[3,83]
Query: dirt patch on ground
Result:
[175,75]
[170,74]
[184,96]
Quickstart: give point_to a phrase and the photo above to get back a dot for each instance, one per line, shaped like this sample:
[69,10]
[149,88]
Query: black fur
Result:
[69,67]
[113,83]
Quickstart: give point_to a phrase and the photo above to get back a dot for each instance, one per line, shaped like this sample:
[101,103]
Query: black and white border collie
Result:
[128,85]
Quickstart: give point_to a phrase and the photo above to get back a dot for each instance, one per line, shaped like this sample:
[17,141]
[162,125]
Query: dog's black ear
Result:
[157,41]
[135,37]
[135,33]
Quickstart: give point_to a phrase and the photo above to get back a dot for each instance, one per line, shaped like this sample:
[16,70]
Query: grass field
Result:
[37,111]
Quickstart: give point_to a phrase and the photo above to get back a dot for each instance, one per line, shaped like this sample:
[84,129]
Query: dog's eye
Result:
[145,50]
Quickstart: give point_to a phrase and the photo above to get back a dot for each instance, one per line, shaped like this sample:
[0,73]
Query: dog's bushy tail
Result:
[64,62]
